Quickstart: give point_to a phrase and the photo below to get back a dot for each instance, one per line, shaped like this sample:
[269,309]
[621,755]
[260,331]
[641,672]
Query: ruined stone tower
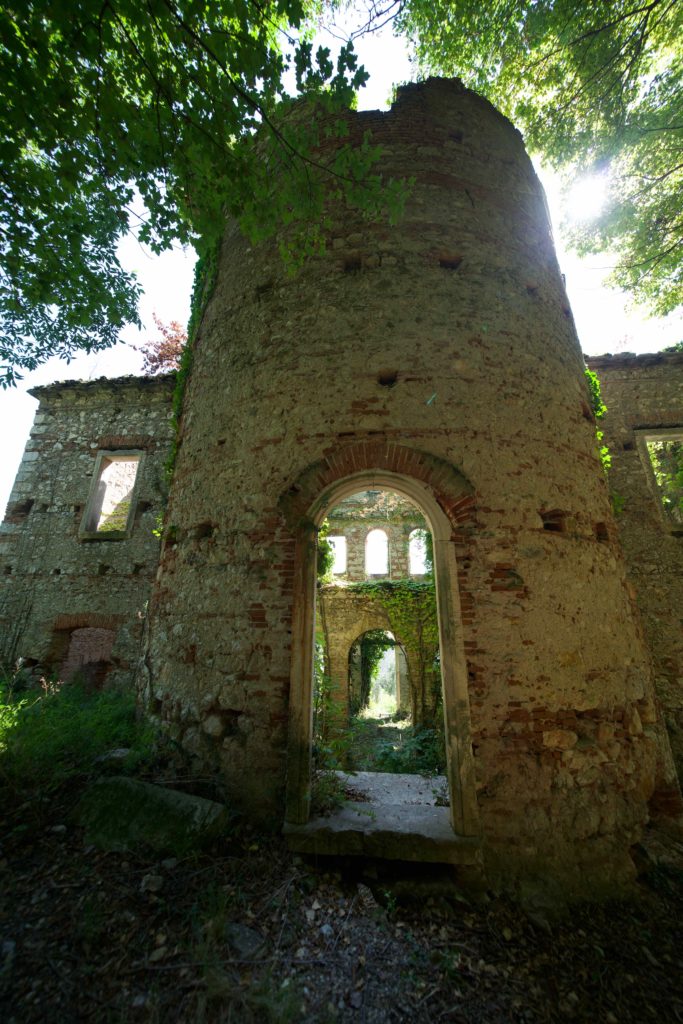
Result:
[437,358]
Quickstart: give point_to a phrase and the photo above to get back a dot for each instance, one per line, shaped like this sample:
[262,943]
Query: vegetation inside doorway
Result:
[383,735]
[378,703]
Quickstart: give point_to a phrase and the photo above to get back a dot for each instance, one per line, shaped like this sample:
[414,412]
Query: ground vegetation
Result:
[245,931]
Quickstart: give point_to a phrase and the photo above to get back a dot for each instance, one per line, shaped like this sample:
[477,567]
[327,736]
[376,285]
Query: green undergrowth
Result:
[52,735]
[412,750]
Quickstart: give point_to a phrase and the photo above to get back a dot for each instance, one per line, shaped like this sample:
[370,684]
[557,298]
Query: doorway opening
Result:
[378,696]
[390,816]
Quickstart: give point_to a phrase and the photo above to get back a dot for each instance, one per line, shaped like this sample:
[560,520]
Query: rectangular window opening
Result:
[109,510]
[338,545]
[664,451]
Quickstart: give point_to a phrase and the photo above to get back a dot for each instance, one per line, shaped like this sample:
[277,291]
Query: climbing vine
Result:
[325,554]
[410,605]
[599,409]
[205,271]
[411,609]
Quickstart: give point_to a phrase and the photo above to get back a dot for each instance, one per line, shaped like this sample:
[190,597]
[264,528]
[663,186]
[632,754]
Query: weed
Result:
[50,736]
[413,750]
[390,902]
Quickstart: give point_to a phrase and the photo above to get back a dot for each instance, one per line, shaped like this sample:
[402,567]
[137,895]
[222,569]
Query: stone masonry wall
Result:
[354,520]
[644,394]
[462,306]
[64,601]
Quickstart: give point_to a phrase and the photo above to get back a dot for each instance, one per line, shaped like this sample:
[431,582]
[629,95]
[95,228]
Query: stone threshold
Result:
[394,817]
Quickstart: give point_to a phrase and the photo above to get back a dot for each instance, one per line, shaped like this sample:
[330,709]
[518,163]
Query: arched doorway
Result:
[460,767]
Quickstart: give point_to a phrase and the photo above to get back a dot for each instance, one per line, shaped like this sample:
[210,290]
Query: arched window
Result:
[417,552]
[377,553]
[338,545]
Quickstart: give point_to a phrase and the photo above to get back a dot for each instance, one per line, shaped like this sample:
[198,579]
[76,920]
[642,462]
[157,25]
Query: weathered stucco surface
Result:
[644,395]
[65,602]
[463,303]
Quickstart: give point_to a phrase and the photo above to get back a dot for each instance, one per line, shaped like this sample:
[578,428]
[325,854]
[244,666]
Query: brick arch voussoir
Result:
[450,488]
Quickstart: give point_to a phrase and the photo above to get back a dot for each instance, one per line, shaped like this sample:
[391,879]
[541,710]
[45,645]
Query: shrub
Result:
[48,737]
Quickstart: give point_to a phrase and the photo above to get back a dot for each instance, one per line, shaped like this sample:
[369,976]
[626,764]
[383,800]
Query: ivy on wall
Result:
[205,273]
[599,409]
[411,609]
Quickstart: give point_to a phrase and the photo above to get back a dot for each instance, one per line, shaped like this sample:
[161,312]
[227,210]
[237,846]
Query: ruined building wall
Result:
[72,598]
[345,613]
[357,516]
[644,399]
[462,305]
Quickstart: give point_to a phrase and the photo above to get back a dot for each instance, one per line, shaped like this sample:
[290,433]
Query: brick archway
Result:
[452,492]
[446,500]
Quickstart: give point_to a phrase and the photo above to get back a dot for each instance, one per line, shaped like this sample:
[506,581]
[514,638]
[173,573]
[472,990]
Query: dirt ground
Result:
[249,932]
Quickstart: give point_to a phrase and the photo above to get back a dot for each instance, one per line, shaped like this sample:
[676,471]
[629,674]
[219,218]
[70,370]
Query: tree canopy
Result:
[594,87]
[175,108]
[164,115]
[163,353]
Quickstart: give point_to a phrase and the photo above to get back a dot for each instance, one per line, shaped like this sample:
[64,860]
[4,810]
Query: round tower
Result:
[437,357]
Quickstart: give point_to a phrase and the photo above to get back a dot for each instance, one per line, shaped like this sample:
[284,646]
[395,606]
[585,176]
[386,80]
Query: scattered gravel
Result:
[253,933]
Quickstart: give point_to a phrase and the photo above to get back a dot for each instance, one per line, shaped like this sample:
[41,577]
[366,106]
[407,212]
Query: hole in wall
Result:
[353,265]
[627,446]
[140,509]
[532,289]
[262,290]
[137,568]
[20,509]
[387,378]
[554,520]
[202,531]
[601,532]
[450,262]
[103,569]
[7,571]
[56,572]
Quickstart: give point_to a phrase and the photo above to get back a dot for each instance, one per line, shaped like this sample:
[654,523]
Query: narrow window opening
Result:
[665,456]
[387,379]
[338,545]
[417,552]
[377,553]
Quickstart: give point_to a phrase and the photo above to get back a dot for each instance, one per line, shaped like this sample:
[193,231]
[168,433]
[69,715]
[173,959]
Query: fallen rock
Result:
[152,883]
[121,814]
[246,942]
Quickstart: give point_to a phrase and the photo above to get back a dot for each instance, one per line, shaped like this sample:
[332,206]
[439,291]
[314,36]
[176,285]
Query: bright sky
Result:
[603,320]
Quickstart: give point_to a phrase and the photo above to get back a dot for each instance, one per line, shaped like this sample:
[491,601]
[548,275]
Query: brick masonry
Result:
[68,603]
[462,305]
[644,394]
